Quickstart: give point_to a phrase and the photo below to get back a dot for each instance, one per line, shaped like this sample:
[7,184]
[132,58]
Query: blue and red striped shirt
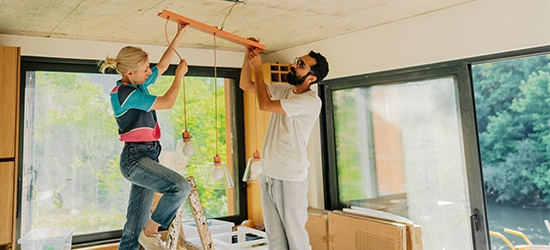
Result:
[132,106]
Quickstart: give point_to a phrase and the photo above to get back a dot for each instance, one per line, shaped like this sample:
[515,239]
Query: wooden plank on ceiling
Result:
[171,16]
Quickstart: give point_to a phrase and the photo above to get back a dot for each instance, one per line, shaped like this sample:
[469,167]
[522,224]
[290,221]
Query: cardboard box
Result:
[317,228]
[416,238]
[347,232]
[414,233]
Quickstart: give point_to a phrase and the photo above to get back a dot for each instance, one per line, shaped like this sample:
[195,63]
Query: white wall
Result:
[62,48]
[479,28]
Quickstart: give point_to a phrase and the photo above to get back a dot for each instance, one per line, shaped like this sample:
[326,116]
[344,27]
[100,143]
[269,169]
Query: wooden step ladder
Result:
[176,237]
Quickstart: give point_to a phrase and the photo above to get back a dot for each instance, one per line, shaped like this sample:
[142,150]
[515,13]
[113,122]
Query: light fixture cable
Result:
[229,13]
[255,121]
[216,94]
[183,79]
[186,136]
[167,41]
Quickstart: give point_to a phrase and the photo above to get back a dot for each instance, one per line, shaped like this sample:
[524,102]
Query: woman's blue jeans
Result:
[140,165]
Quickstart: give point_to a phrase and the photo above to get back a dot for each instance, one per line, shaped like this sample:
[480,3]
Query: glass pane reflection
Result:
[399,150]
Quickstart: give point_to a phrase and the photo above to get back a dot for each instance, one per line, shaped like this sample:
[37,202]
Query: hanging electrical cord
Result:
[188,149]
[254,165]
[229,13]
[216,94]
[218,173]
[167,41]
[184,107]
[255,121]
[183,79]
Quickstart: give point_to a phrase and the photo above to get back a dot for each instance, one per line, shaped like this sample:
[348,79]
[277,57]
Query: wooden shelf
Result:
[275,73]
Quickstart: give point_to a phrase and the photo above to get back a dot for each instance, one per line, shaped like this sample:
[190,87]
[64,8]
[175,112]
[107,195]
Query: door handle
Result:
[474,219]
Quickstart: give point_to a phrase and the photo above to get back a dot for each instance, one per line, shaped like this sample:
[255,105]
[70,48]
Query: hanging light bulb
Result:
[217,173]
[180,160]
[254,168]
[218,176]
[187,149]
[257,167]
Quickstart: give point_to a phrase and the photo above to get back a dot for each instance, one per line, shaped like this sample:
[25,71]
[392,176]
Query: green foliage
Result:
[200,113]
[513,116]
[510,179]
[86,221]
[347,151]
[76,149]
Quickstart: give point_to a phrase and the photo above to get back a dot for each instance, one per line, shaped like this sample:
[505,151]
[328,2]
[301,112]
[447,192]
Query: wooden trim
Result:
[210,29]
[229,147]
[9,138]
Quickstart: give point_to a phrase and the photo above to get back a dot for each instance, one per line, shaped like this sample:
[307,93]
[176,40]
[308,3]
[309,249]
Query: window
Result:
[398,149]
[513,114]
[70,170]
[406,142]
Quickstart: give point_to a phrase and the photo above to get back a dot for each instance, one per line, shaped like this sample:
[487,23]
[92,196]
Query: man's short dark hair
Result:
[320,69]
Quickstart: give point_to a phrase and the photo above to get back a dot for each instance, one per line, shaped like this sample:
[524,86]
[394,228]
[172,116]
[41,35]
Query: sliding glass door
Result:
[400,145]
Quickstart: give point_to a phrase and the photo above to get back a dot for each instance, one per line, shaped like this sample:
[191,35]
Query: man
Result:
[294,110]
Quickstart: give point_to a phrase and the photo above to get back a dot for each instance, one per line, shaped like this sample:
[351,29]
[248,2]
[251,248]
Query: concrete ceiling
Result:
[280,24]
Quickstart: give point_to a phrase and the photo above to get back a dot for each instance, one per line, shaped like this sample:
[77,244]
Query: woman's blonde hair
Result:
[128,58]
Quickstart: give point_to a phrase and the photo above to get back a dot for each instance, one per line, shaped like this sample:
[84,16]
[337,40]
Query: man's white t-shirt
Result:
[284,153]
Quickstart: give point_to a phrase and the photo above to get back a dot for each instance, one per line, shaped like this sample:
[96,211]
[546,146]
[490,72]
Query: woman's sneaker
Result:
[151,243]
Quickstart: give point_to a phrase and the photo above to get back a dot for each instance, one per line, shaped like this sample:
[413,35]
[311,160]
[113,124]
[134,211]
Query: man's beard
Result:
[292,79]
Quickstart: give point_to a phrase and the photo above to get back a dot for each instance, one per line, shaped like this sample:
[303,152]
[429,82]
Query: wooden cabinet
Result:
[7,170]
[9,117]
[9,77]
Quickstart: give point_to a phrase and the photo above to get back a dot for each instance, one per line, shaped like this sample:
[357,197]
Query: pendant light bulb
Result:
[217,173]
[257,168]
[254,167]
[187,149]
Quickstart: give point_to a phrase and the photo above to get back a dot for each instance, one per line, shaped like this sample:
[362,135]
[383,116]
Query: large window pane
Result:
[71,173]
[512,106]
[399,149]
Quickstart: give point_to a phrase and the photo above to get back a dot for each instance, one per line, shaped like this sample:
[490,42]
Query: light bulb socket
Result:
[186,136]
[217,160]
[256,156]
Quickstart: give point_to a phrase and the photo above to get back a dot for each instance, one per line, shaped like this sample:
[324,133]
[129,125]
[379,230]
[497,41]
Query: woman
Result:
[138,128]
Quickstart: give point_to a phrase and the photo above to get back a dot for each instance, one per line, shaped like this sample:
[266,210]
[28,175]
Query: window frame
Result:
[34,63]
[462,70]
